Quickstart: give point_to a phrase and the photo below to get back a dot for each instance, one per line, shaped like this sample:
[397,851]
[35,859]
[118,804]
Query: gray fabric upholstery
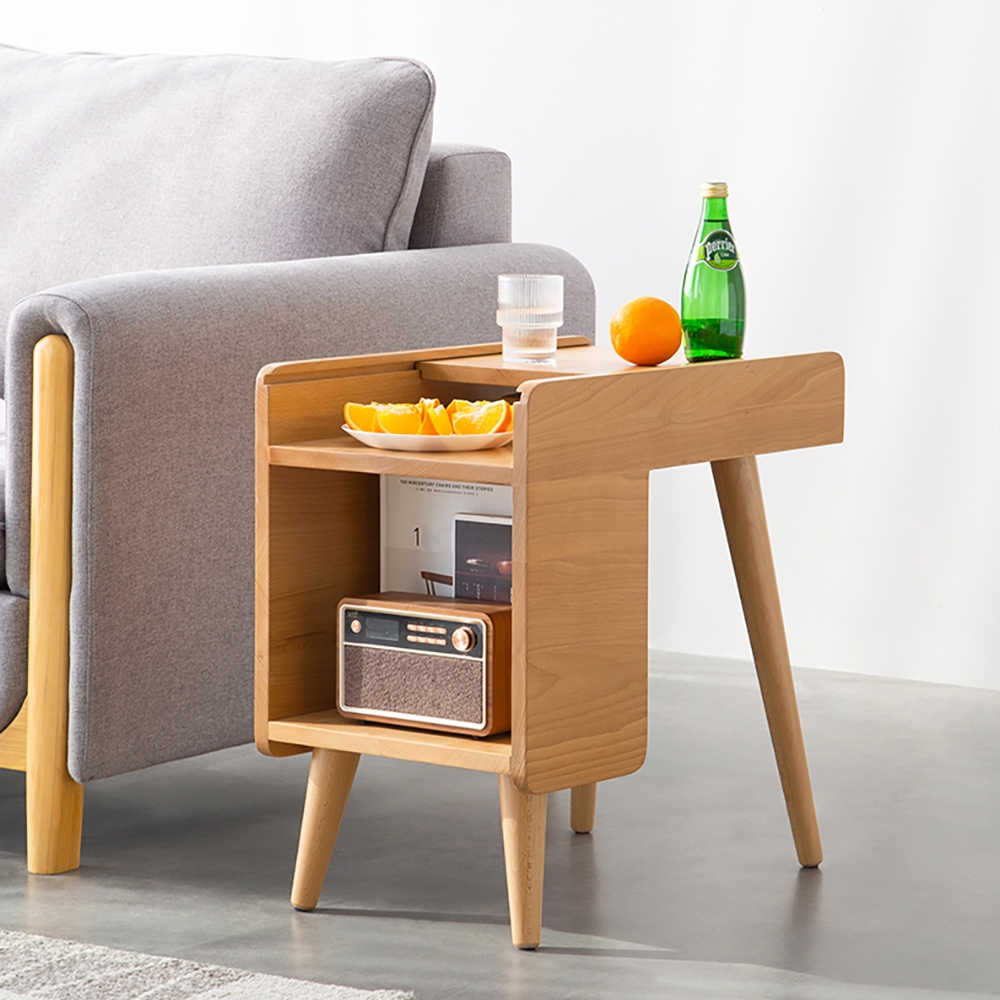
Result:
[3,505]
[162,600]
[465,198]
[13,613]
[111,164]
[13,655]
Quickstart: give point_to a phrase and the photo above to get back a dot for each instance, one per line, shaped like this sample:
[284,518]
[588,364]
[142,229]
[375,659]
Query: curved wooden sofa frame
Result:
[35,742]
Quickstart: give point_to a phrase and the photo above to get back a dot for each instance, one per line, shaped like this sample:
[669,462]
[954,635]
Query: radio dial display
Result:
[386,629]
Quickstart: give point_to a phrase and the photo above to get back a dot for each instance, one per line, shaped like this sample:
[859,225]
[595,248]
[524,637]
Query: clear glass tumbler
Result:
[530,310]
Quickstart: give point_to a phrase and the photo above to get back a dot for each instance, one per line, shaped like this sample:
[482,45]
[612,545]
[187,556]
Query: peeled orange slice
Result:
[480,418]
[426,424]
[429,417]
[359,416]
[399,418]
[440,419]
[508,420]
[456,405]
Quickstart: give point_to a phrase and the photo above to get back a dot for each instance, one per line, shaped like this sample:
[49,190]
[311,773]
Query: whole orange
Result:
[646,331]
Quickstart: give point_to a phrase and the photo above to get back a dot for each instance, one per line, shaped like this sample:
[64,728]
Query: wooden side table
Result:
[587,433]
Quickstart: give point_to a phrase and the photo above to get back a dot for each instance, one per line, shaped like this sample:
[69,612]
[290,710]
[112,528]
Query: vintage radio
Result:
[427,662]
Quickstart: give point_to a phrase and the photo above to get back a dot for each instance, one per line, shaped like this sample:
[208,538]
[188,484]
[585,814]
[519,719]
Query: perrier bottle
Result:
[713,303]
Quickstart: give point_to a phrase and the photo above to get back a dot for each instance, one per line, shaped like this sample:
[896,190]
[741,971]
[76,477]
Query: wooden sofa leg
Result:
[738,486]
[582,806]
[331,775]
[54,799]
[523,817]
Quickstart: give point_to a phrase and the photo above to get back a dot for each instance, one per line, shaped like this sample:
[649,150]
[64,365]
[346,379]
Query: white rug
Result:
[40,967]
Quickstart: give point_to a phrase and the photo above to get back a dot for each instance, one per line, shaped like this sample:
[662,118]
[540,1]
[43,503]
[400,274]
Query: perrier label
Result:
[713,301]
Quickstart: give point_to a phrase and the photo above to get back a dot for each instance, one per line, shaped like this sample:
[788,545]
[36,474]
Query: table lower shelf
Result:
[329,730]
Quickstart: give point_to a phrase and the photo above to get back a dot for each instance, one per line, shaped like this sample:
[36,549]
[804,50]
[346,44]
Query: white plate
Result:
[430,442]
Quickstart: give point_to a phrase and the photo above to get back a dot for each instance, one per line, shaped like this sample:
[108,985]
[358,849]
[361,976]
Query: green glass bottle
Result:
[713,302]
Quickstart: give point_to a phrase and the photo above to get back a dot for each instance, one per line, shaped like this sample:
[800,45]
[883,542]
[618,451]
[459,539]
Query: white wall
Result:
[859,141]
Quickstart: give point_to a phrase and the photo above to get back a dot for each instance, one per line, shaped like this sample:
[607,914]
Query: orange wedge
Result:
[399,418]
[480,418]
[440,419]
[455,406]
[376,426]
[508,420]
[426,424]
[359,416]
[429,417]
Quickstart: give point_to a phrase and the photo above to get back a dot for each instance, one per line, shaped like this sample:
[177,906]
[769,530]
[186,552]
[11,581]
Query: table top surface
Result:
[491,369]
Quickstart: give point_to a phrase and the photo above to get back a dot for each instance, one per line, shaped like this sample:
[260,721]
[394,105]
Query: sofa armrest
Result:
[161,616]
[465,198]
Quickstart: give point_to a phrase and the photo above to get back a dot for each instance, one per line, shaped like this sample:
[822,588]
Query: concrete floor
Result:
[688,886]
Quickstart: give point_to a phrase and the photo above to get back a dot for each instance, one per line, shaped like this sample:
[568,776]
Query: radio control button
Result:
[356,625]
[463,639]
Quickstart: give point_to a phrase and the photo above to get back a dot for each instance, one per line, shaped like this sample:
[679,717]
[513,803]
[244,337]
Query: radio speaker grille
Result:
[437,687]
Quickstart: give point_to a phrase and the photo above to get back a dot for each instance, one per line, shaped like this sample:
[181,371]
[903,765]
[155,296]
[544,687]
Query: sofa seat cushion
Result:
[112,164]
[13,655]
[13,613]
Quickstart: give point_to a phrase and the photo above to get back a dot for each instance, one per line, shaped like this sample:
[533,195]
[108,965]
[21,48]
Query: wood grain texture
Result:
[54,800]
[331,730]
[318,541]
[653,418]
[331,775]
[582,358]
[318,519]
[582,808]
[311,369]
[317,535]
[584,445]
[579,670]
[309,411]
[522,817]
[14,742]
[738,487]
[319,368]
[344,453]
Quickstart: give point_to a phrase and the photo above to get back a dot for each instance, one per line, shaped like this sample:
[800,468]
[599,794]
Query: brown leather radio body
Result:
[426,662]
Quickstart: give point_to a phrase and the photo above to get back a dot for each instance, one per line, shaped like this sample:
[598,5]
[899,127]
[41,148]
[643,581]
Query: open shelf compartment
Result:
[330,730]
[587,433]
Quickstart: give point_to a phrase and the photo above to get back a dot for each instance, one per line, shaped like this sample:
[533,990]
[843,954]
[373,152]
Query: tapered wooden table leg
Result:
[331,775]
[582,805]
[738,488]
[523,818]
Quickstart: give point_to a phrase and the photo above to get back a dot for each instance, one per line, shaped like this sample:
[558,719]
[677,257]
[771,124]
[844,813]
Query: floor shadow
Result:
[661,955]
[801,922]
[443,918]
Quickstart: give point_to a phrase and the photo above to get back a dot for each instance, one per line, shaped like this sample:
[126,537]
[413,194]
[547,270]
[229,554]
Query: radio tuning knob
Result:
[463,639]
[356,625]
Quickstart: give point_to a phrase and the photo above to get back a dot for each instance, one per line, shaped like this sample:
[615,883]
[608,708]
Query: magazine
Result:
[483,557]
[418,554]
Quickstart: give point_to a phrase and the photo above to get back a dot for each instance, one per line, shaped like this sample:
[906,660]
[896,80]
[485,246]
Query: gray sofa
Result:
[184,221]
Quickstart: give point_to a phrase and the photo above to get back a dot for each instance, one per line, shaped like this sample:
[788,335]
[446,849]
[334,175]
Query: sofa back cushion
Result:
[111,164]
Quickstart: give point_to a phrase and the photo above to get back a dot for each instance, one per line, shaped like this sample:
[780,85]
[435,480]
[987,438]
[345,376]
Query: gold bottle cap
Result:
[715,189]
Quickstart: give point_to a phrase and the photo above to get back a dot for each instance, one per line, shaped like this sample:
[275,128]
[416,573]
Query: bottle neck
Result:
[714,210]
